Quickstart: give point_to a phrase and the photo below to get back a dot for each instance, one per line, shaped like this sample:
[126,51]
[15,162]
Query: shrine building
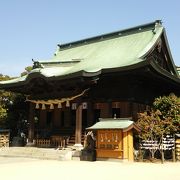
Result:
[114,75]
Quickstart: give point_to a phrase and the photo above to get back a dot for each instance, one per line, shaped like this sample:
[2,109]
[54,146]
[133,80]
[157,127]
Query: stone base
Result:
[67,155]
[78,147]
[76,153]
[30,144]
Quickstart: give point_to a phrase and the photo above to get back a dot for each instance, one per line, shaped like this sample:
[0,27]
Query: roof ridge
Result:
[114,34]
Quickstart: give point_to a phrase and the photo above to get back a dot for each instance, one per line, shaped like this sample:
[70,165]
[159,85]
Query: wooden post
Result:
[110,109]
[130,146]
[162,156]
[31,122]
[56,119]
[67,117]
[162,151]
[90,115]
[174,155]
[140,155]
[42,121]
[173,150]
[105,110]
[78,125]
[125,145]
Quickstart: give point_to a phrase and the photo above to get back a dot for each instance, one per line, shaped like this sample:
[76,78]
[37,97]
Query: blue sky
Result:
[32,28]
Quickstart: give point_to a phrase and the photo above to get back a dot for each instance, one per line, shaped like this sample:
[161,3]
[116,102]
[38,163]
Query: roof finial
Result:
[36,64]
[158,23]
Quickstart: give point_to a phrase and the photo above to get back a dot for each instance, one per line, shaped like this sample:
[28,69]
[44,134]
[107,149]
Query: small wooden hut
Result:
[114,138]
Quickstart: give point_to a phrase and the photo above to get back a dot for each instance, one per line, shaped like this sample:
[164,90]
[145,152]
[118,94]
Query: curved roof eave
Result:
[26,79]
[163,72]
[126,68]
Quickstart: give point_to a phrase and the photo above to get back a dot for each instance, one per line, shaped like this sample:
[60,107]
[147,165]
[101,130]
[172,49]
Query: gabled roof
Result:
[96,55]
[117,49]
[125,124]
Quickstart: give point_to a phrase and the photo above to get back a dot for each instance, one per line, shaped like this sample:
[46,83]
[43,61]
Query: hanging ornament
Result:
[51,106]
[59,105]
[43,106]
[67,104]
[37,105]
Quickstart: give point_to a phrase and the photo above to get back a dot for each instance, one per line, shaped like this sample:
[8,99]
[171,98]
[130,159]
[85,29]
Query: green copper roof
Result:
[110,123]
[104,53]
[12,81]
[94,55]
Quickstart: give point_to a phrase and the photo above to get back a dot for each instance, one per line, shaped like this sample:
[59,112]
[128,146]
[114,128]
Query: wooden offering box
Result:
[109,144]
[114,138]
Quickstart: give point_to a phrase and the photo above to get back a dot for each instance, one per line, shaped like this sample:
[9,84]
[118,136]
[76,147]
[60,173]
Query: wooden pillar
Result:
[56,119]
[90,115]
[110,109]
[105,110]
[31,122]
[42,121]
[67,117]
[78,125]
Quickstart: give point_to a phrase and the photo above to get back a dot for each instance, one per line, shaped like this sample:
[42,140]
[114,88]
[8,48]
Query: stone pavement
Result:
[39,153]
[35,169]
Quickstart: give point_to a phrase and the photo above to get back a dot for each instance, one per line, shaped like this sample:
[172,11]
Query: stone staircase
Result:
[40,153]
[71,141]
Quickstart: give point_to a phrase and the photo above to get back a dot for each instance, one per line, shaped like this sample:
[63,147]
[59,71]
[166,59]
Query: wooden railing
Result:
[43,143]
[54,141]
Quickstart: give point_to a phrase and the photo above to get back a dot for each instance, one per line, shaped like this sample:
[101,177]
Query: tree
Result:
[151,129]
[13,110]
[17,115]
[161,120]
[169,106]
[4,99]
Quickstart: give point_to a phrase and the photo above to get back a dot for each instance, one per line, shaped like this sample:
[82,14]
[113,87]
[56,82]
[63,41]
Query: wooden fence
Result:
[54,141]
[4,138]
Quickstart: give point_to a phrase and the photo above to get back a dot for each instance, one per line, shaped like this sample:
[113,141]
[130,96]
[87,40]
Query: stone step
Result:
[72,140]
[33,152]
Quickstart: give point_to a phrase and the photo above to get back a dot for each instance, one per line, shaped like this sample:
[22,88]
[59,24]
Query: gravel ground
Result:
[34,169]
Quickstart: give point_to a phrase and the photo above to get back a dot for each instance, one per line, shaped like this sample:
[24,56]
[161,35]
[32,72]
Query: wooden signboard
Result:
[109,144]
